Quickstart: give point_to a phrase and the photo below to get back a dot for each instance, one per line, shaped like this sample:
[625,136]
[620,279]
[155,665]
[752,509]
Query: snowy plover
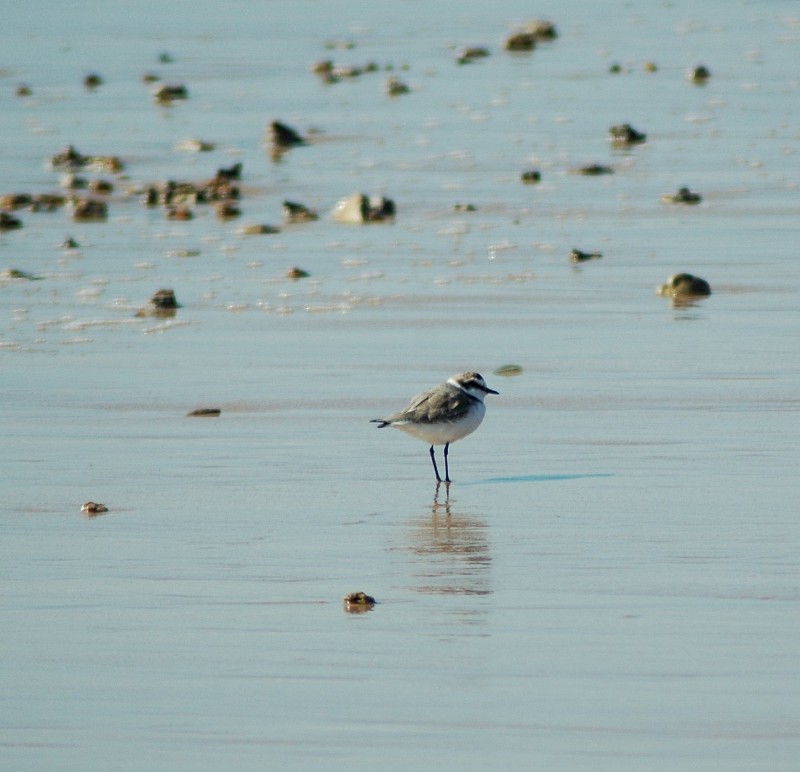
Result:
[443,414]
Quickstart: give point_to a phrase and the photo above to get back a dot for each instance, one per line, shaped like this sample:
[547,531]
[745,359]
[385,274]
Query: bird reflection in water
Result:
[452,549]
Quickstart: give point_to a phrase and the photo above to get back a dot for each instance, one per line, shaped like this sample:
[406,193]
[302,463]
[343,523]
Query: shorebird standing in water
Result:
[443,414]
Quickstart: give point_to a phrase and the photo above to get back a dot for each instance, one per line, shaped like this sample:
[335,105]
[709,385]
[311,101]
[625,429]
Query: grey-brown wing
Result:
[439,404]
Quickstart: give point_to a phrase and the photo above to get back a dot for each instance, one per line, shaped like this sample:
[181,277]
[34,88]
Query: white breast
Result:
[444,432]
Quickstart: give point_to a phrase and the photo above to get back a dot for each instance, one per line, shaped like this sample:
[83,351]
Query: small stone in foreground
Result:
[683,285]
[358,602]
[92,508]
[576,256]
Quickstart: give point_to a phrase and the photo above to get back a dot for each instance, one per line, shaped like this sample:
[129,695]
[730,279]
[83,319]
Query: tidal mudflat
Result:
[193,342]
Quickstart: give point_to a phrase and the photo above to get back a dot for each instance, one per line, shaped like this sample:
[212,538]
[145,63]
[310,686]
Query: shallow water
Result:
[611,582]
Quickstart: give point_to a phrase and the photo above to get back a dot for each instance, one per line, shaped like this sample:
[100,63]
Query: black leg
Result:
[446,470]
[435,468]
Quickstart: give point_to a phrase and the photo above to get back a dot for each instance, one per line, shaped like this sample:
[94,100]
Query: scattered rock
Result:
[227,211]
[162,304]
[683,196]
[71,160]
[92,81]
[466,55]
[531,176]
[181,213]
[283,137]
[625,134]
[169,93]
[650,67]
[193,145]
[396,87]
[204,412]
[173,192]
[684,285]
[47,202]
[15,273]
[89,210]
[520,41]
[164,299]
[358,208]
[576,256]
[93,508]
[73,182]
[258,230]
[233,172]
[699,74]
[23,90]
[593,170]
[11,201]
[70,243]
[8,222]
[296,213]
[358,602]
[297,273]
[101,187]
[541,29]
[165,58]
[465,208]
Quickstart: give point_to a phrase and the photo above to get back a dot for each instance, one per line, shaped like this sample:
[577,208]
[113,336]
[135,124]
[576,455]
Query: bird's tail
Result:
[381,422]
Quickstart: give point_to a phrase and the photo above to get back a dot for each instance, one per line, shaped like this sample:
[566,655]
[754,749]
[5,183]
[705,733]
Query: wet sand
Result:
[611,580]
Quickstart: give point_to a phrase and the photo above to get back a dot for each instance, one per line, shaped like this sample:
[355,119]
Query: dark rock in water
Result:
[11,201]
[204,412]
[358,602]
[520,41]
[89,210]
[165,58]
[541,29]
[258,230]
[358,209]
[465,208]
[15,273]
[593,170]
[70,243]
[181,212]
[295,213]
[396,87]
[68,158]
[531,176]
[92,81]
[699,74]
[164,299]
[8,222]
[23,90]
[170,92]
[684,285]
[576,256]
[231,173]
[282,136]
[71,160]
[297,273]
[683,196]
[47,202]
[227,211]
[92,508]
[625,134]
[471,53]
[101,187]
